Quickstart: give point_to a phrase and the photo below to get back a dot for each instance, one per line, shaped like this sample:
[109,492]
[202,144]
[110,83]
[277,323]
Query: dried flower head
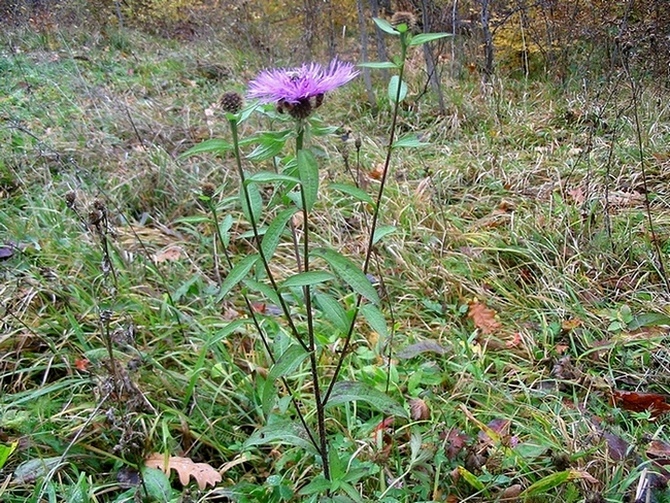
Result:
[70,198]
[231,102]
[299,91]
[208,189]
[403,17]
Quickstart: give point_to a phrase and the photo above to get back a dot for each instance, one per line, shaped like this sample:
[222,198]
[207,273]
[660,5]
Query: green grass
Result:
[506,206]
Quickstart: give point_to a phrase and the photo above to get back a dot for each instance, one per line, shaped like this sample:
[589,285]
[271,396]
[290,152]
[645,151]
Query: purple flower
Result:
[291,89]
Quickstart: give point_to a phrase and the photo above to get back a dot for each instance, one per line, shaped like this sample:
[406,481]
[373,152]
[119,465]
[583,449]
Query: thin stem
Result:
[257,237]
[375,218]
[320,411]
[259,329]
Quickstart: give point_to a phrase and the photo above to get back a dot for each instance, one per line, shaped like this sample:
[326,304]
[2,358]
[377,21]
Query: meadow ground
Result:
[524,287]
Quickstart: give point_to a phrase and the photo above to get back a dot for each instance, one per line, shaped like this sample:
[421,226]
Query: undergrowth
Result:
[527,206]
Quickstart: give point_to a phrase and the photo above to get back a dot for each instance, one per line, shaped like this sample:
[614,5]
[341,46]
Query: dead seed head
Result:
[231,102]
[70,198]
[208,189]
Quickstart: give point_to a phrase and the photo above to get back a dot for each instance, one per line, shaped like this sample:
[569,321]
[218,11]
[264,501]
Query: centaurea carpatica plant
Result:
[315,321]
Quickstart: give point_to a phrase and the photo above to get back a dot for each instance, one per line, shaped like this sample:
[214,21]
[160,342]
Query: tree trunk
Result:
[488,38]
[431,69]
[362,27]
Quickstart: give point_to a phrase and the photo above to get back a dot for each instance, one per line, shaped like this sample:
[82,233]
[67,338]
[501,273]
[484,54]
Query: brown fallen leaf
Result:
[483,318]
[203,473]
[170,254]
[655,403]
[419,409]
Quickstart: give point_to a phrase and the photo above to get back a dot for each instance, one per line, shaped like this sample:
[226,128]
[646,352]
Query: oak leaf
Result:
[639,402]
[483,318]
[202,472]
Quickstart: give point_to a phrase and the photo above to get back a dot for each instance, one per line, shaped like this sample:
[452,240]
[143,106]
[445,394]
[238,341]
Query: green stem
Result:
[320,410]
[375,218]
[257,237]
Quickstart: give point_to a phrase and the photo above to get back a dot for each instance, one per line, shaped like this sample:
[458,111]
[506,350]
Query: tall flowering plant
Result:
[314,320]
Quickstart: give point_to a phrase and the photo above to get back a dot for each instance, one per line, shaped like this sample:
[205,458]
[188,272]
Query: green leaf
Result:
[648,320]
[281,432]
[350,274]
[254,198]
[237,274]
[349,391]
[266,290]
[308,169]
[381,232]
[379,65]
[274,232]
[265,151]
[224,226]
[333,311]
[546,483]
[317,485]
[472,479]
[156,484]
[393,89]
[375,319]
[287,363]
[269,177]
[385,26]
[353,191]
[6,451]
[423,38]
[307,279]
[409,140]
[215,145]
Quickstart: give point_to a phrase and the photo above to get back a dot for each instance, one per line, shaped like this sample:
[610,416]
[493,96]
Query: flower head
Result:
[292,89]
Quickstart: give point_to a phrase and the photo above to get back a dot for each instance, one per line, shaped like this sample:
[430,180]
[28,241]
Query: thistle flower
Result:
[293,89]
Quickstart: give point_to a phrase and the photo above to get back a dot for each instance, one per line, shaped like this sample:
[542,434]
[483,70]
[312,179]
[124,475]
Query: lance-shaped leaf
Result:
[381,231]
[274,232]
[254,206]
[349,273]
[349,391]
[353,191]
[410,140]
[394,93]
[308,169]
[333,312]
[213,146]
[287,363]
[281,432]
[237,274]
[423,38]
[269,177]
[385,26]
[375,319]
[379,65]
[307,279]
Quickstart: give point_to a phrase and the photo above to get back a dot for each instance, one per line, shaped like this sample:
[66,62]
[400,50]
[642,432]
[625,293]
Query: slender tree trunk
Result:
[488,38]
[379,37]
[362,27]
[430,58]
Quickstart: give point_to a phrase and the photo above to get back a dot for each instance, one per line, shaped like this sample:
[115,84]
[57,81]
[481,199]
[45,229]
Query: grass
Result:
[506,206]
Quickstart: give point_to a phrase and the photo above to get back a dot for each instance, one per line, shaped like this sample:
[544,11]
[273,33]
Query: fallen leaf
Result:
[418,409]
[659,451]
[655,403]
[455,442]
[511,493]
[169,254]
[483,318]
[377,173]
[570,325]
[6,252]
[413,350]
[617,447]
[81,364]
[203,473]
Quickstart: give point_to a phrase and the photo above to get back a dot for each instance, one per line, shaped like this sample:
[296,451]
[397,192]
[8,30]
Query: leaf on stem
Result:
[274,232]
[215,146]
[394,93]
[281,432]
[350,391]
[287,363]
[423,38]
[333,311]
[237,274]
[385,26]
[308,169]
[307,279]
[349,273]
[379,65]
[254,206]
